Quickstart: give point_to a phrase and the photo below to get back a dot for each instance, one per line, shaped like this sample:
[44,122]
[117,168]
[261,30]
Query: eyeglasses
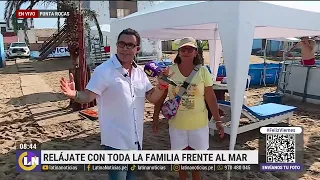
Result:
[122,44]
[189,49]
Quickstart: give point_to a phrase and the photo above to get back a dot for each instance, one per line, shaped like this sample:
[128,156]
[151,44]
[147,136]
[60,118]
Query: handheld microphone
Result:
[153,70]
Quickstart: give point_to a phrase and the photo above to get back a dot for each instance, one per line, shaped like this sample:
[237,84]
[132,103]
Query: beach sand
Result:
[17,124]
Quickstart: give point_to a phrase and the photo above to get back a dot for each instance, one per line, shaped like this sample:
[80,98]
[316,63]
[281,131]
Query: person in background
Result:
[120,88]
[307,51]
[189,129]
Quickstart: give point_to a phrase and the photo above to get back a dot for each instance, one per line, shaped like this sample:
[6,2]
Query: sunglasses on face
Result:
[122,44]
[187,49]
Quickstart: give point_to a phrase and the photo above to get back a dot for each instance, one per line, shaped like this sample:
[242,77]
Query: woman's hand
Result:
[164,72]
[220,129]
[211,100]
[155,125]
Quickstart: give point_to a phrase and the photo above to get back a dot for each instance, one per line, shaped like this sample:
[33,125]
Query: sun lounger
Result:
[258,116]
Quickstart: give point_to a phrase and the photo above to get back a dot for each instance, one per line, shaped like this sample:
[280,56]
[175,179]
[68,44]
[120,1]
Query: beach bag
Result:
[170,108]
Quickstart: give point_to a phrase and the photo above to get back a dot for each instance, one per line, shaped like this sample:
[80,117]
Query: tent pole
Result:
[228,175]
[318,50]
[264,62]
[212,53]
[215,52]
[237,39]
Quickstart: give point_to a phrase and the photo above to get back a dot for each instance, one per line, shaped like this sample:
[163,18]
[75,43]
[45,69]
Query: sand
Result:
[19,125]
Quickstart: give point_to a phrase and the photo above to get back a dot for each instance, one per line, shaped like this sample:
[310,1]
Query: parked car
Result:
[18,49]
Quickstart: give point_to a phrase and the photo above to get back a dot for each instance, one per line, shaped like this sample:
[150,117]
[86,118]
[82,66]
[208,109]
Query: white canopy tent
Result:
[229,24]
[105,28]
[286,39]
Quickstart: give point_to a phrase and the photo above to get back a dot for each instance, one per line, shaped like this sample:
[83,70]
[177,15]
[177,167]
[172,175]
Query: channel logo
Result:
[28,161]
[45,167]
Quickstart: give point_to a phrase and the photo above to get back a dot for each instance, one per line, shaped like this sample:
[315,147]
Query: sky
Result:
[52,23]
[38,23]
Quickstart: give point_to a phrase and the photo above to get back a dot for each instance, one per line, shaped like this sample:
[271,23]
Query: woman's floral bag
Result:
[170,108]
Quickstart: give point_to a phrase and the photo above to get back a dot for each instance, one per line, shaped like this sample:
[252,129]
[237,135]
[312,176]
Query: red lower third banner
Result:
[41,14]
[27,13]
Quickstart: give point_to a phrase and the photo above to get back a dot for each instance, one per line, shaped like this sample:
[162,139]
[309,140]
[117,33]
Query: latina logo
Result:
[28,160]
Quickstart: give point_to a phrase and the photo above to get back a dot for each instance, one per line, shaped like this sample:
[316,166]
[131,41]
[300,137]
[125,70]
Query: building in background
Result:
[4,28]
[8,33]
[37,37]
[109,11]
[20,25]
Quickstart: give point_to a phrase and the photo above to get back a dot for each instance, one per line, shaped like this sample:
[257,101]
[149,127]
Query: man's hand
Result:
[68,88]
[220,129]
[295,46]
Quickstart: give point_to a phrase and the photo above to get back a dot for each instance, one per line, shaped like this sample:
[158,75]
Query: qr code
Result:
[280,148]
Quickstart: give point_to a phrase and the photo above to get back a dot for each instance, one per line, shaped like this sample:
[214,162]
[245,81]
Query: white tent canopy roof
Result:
[103,27]
[236,23]
[199,24]
[286,39]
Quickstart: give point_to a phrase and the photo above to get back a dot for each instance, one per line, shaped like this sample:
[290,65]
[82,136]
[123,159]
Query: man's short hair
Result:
[130,31]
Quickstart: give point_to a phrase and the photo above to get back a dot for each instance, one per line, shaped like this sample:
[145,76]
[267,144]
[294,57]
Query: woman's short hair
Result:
[196,60]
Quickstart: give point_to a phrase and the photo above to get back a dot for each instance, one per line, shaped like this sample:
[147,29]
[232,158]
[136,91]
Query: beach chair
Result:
[258,116]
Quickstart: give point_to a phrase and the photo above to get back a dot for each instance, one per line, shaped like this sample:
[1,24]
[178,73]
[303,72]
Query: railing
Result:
[61,36]
[56,37]
[97,55]
[51,38]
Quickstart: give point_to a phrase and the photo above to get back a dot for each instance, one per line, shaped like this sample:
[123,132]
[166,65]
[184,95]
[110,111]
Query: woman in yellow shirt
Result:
[189,129]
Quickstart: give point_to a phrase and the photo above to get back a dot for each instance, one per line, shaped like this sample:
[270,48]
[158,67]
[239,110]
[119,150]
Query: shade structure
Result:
[231,25]
[286,39]
[103,27]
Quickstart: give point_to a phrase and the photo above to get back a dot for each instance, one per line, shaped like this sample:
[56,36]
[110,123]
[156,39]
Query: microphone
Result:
[152,70]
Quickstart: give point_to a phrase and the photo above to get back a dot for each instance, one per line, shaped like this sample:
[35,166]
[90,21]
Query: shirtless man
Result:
[307,51]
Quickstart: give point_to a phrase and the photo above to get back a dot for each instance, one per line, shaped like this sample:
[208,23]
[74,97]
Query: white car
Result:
[18,49]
